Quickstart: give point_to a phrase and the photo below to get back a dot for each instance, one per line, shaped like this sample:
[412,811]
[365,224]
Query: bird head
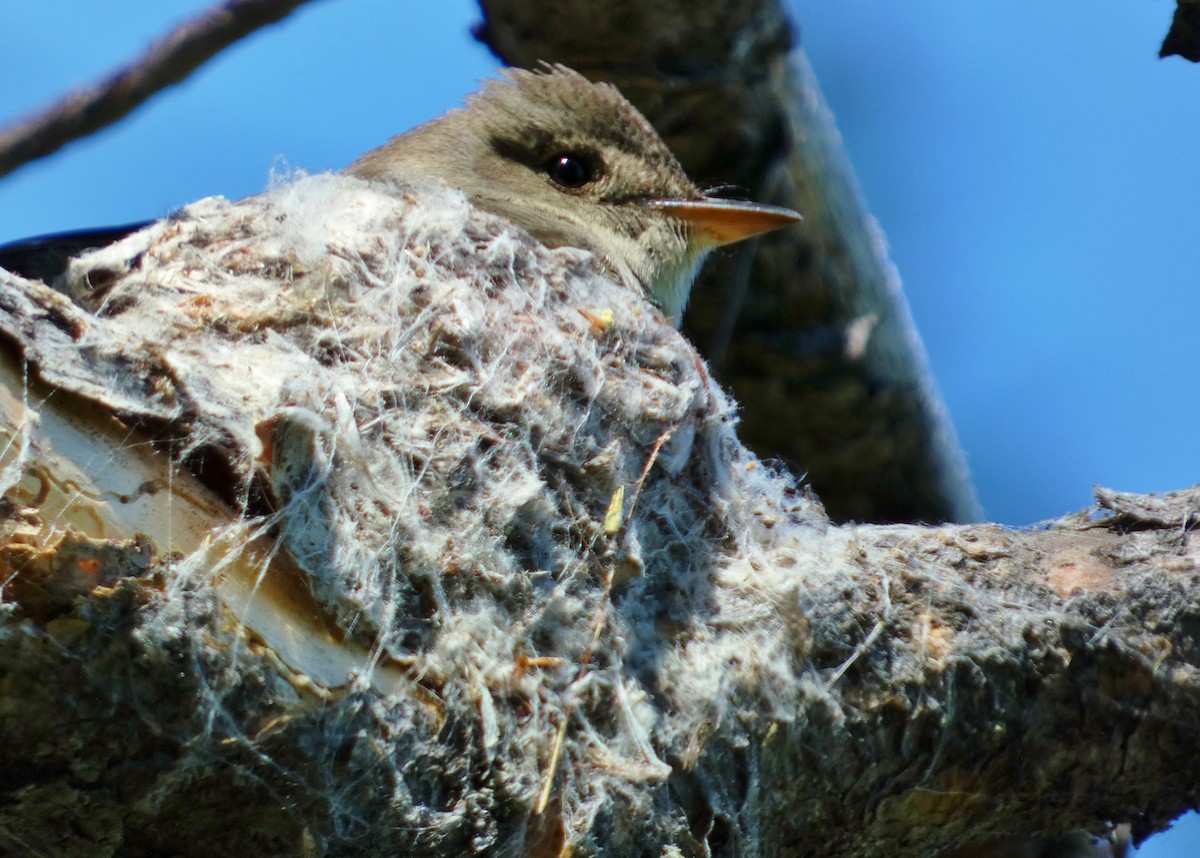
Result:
[576,165]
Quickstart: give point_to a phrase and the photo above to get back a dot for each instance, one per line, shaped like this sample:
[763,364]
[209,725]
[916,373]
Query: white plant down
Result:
[507,481]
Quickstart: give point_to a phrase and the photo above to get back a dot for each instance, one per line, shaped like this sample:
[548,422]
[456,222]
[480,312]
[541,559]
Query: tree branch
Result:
[479,547]
[820,352]
[168,61]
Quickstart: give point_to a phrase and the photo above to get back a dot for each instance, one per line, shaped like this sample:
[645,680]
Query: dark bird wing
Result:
[45,257]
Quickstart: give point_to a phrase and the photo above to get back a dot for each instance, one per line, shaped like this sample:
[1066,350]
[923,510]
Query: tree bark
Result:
[809,328]
[340,523]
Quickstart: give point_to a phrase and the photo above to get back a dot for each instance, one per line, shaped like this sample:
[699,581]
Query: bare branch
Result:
[166,62]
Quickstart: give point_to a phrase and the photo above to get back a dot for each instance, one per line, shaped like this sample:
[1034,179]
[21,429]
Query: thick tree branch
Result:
[168,61]
[485,543]
[820,351]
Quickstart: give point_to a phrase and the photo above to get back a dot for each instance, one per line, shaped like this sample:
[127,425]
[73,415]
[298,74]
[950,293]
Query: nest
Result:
[503,477]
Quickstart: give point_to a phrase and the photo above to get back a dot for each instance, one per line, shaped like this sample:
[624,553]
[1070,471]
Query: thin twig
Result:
[598,624]
[167,61]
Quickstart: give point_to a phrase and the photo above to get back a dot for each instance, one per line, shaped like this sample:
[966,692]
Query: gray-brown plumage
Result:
[576,165]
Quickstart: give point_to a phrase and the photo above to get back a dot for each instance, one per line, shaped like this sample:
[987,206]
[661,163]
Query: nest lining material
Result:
[444,414]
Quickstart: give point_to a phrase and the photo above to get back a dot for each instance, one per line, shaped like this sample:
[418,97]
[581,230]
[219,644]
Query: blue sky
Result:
[1032,164]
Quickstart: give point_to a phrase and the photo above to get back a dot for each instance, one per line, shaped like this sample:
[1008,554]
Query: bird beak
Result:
[726,221]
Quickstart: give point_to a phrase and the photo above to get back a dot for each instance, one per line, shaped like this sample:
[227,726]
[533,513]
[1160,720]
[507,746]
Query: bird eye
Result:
[570,170]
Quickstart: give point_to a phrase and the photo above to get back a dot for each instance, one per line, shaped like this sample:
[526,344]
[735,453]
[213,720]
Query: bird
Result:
[570,161]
